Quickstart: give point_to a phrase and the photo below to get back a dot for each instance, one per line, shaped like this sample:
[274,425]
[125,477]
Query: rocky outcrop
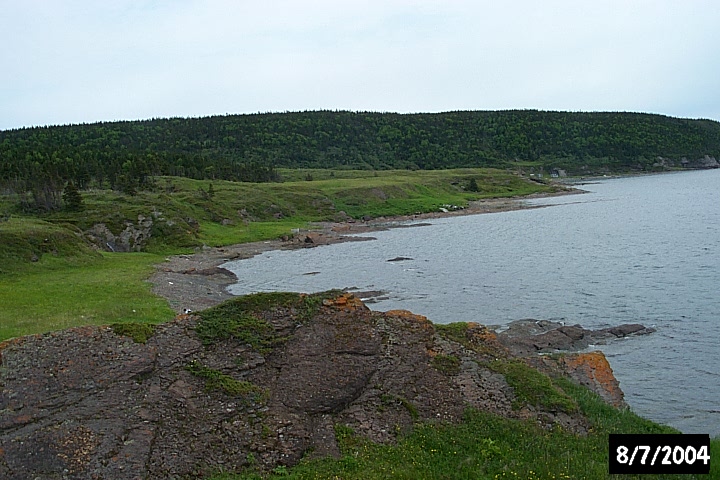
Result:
[314,239]
[529,337]
[703,162]
[265,384]
[120,234]
[132,238]
[590,369]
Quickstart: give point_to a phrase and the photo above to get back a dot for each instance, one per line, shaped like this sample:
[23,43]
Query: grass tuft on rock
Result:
[260,302]
[139,332]
[457,332]
[216,380]
[448,364]
[240,318]
[396,400]
[533,387]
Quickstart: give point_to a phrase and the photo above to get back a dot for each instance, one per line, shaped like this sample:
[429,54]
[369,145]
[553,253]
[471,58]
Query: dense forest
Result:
[125,156]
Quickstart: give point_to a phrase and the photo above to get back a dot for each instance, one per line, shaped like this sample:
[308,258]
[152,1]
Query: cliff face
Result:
[262,380]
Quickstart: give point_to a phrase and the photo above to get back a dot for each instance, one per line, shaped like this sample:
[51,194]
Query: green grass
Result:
[217,235]
[186,216]
[216,380]
[237,318]
[456,331]
[217,324]
[139,332]
[403,192]
[532,387]
[485,446]
[31,244]
[57,295]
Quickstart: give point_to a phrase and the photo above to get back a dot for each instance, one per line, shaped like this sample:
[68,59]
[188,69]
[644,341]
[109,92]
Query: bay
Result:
[632,250]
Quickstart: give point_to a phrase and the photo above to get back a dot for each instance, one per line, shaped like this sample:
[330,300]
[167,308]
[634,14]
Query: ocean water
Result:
[632,250]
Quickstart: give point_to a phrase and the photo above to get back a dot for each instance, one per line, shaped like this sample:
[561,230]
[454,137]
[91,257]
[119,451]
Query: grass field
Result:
[58,295]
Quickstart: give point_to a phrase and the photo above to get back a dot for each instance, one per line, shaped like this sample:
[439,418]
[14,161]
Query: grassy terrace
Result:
[51,279]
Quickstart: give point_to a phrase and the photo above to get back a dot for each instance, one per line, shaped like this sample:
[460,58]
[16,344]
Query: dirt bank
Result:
[197,282]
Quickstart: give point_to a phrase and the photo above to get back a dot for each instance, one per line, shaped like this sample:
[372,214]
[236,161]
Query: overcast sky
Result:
[75,61]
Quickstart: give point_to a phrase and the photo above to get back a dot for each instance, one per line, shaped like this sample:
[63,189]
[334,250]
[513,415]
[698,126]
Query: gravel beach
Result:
[196,281]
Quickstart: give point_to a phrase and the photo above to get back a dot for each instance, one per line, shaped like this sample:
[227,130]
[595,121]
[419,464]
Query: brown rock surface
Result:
[89,403]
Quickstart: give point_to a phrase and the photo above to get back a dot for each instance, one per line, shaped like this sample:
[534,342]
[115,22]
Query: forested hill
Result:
[247,147]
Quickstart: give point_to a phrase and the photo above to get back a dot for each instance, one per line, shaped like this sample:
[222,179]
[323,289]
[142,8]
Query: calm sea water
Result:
[639,249]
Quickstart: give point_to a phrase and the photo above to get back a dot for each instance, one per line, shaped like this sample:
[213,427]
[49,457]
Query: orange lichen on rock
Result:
[485,339]
[408,315]
[481,333]
[592,368]
[345,301]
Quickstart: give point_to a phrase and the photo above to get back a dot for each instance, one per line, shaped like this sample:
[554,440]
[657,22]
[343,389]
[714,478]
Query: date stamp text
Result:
[659,454]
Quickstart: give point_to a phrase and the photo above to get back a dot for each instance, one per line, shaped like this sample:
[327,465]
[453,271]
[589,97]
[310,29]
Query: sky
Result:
[85,61]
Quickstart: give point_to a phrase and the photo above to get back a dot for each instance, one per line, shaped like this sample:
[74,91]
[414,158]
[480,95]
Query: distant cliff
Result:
[268,377]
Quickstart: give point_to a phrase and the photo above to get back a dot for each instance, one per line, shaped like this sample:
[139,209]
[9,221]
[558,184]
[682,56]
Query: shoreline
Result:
[197,281]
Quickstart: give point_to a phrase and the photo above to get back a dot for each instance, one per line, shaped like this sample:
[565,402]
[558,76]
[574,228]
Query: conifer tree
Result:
[473,186]
[72,198]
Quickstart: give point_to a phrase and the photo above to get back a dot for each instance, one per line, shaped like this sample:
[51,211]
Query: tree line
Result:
[39,162]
